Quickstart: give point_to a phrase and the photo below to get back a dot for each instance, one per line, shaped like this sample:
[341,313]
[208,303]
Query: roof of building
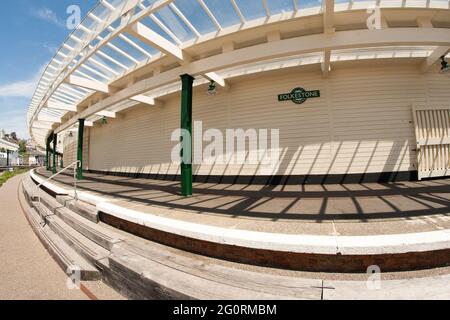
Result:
[4,144]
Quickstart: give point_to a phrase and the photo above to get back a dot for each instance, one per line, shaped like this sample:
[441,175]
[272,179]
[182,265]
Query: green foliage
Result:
[8,175]
[22,148]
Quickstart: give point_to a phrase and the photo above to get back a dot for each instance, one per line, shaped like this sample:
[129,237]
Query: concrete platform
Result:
[352,226]
[347,210]
[144,269]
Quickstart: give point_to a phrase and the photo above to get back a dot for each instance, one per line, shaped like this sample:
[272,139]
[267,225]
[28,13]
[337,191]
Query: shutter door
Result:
[432,128]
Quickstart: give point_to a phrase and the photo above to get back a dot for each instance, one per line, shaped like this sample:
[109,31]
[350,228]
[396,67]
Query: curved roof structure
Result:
[127,52]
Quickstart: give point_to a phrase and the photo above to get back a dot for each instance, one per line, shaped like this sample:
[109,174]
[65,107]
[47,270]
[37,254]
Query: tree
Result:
[22,148]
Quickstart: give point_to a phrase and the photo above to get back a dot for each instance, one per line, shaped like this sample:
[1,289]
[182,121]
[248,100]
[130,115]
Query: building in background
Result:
[9,150]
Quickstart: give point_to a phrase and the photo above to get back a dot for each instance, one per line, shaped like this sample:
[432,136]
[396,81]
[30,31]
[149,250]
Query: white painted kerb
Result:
[296,243]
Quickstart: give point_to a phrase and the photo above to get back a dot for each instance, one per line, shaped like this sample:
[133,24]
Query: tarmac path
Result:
[27,271]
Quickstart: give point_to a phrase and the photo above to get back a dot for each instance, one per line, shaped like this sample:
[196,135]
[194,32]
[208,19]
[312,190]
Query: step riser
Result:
[77,208]
[78,247]
[65,263]
[90,234]
[58,209]
[143,286]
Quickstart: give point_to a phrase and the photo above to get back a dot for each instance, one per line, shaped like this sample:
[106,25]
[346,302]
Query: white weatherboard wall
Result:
[361,124]
[70,148]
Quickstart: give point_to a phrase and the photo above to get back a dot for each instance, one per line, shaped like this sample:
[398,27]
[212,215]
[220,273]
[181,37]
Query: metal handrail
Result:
[38,187]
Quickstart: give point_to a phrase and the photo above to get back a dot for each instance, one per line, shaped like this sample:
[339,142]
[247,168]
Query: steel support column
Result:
[186,127]
[47,154]
[80,149]
[55,140]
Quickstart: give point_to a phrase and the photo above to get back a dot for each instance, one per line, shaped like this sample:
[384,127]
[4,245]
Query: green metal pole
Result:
[47,154]
[186,125]
[80,149]
[55,140]
[7,158]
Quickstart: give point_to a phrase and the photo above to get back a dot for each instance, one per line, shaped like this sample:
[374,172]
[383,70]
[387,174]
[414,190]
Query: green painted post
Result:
[186,125]
[7,158]
[80,149]
[55,140]
[47,154]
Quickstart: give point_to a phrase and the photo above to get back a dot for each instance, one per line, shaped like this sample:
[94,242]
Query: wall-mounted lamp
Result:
[104,120]
[444,66]
[212,89]
[70,134]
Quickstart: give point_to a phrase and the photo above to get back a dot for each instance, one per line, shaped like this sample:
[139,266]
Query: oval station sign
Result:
[298,95]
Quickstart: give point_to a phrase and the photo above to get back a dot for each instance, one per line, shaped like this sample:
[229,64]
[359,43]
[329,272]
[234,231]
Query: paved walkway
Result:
[27,271]
[344,209]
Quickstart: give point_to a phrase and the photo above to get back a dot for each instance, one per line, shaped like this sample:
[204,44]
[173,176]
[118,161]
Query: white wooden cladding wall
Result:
[433,140]
[361,124]
[70,149]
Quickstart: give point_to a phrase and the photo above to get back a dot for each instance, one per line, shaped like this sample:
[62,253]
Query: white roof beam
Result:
[216,78]
[210,14]
[117,63]
[328,16]
[144,99]
[184,19]
[41,125]
[70,91]
[165,29]
[424,22]
[63,99]
[103,66]
[60,106]
[132,43]
[129,57]
[88,84]
[107,114]
[238,11]
[326,64]
[149,36]
[273,36]
[49,119]
[434,57]
[98,73]
[266,8]
[108,5]
[67,95]
[85,75]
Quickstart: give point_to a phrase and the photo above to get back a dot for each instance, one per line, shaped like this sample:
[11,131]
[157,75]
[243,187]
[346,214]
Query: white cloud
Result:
[49,15]
[22,88]
[13,116]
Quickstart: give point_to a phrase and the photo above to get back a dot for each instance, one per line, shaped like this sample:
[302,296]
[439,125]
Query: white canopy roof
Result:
[8,145]
[121,43]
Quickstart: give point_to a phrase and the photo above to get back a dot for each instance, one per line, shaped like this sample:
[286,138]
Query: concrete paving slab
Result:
[347,209]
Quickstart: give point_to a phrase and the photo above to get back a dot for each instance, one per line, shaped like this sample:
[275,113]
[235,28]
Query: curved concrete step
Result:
[61,252]
[85,210]
[200,278]
[89,229]
[163,281]
[84,246]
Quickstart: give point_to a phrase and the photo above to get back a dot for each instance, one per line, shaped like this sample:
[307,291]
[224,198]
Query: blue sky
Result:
[30,31]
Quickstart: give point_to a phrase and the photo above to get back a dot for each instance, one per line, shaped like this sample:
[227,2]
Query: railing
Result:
[75,165]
